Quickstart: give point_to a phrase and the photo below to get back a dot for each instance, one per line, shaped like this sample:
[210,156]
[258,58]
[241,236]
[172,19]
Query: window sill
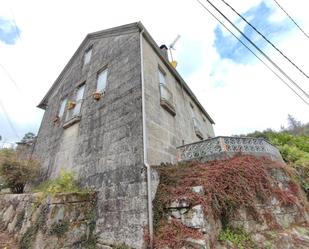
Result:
[71,122]
[168,106]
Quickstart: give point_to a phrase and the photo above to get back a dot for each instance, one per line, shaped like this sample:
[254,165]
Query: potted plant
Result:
[56,119]
[71,105]
[96,95]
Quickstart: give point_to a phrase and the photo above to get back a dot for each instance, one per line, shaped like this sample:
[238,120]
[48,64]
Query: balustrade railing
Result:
[217,147]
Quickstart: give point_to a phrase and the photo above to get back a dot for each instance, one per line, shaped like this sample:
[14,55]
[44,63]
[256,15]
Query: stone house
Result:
[117,107]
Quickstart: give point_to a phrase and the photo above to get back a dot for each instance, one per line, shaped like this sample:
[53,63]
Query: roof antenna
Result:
[174,63]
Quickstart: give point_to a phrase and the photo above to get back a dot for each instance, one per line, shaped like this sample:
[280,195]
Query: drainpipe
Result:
[149,200]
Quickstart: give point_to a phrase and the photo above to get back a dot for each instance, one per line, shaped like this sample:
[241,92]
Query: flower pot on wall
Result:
[56,119]
[96,95]
[71,105]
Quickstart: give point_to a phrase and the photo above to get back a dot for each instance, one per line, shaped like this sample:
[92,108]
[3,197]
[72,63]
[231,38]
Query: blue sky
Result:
[229,83]
[9,32]
[259,16]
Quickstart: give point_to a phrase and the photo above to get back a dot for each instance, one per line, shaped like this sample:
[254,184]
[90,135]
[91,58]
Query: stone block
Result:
[194,218]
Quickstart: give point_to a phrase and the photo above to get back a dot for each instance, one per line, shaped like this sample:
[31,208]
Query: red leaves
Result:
[174,234]
[238,182]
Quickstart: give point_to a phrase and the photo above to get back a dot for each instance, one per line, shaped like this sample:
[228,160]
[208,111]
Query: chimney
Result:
[164,50]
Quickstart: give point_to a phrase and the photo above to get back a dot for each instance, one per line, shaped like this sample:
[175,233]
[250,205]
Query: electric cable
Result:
[292,19]
[265,38]
[257,48]
[9,120]
[10,77]
[252,52]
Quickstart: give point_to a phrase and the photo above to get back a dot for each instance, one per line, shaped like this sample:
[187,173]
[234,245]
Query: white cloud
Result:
[249,97]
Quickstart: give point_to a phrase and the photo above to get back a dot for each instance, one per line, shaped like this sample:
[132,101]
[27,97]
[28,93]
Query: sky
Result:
[37,38]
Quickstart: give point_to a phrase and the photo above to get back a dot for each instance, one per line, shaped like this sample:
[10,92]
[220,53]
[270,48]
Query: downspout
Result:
[149,199]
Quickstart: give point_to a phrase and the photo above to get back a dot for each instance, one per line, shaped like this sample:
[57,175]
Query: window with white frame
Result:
[62,108]
[87,56]
[166,96]
[79,100]
[75,111]
[101,81]
[162,79]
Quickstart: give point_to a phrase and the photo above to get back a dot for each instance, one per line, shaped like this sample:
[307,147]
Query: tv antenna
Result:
[171,47]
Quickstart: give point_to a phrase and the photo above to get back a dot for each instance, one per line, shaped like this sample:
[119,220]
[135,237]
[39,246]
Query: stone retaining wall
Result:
[63,221]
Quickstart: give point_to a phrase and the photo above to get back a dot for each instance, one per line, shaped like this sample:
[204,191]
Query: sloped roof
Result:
[136,26]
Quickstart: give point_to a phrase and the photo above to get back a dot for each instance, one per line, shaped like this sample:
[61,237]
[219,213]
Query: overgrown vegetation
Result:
[65,183]
[293,143]
[228,184]
[237,236]
[28,237]
[16,173]
[59,228]
[121,246]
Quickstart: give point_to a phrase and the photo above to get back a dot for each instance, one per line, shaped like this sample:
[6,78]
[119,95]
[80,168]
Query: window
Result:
[162,77]
[62,108]
[166,96]
[87,56]
[197,128]
[74,112]
[101,81]
[79,100]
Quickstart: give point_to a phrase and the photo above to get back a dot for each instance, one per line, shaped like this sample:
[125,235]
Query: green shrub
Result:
[238,237]
[121,246]
[16,173]
[65,183]
[59,229]
[294,150]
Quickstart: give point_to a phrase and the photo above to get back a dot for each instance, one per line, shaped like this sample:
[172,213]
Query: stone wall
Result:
[105,147]
[273,224]
[64,221]
[165,132]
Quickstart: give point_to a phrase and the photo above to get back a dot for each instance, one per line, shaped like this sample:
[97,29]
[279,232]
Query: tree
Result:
[28,137]
[295,127]
[16,173]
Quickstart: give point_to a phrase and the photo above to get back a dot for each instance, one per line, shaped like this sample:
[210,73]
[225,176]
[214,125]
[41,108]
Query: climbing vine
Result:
[238,182]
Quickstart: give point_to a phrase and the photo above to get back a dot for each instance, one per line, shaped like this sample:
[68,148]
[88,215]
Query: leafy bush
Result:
[294,150]
[121,246]
[65,183]
[238,237]
[16,173]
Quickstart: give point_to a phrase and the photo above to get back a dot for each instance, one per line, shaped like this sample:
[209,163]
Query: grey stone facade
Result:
[166,132]
[105,144]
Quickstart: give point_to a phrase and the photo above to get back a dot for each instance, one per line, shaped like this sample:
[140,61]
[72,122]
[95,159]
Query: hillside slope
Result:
[241,202]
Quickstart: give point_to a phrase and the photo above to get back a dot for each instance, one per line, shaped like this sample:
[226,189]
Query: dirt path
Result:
[7,242]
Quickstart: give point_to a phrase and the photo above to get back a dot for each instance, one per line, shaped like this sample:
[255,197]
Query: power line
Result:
[9,120]
[10,77]
[252,52]
[257,48]
[291,19]
[266,39]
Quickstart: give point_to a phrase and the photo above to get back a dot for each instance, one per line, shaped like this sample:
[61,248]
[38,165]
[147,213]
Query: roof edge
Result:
[120,29]
[173,70]
[111,31]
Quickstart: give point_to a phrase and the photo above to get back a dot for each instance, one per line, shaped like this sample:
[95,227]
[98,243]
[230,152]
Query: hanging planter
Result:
[56,119]
[71,105]
[96,95]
